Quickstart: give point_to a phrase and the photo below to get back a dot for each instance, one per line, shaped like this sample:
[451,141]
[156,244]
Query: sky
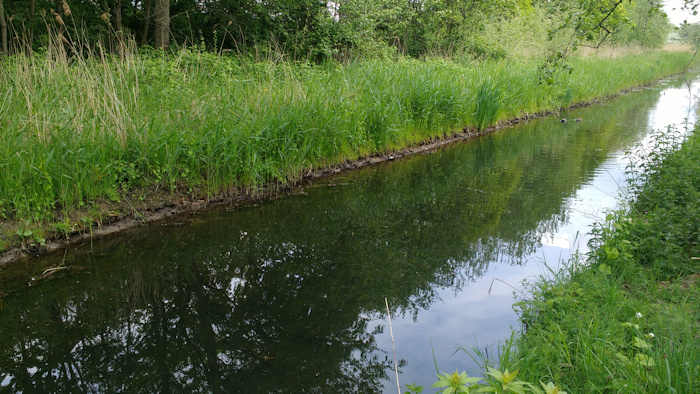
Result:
[678,15]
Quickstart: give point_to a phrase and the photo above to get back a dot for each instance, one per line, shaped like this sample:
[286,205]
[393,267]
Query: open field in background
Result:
[85,138]
[678,48]
[608,52]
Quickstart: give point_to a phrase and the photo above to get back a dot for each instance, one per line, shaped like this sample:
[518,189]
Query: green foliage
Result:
[455,383]
[613,323]
[318,31]
[589,21]
[689,34]
[488,103]
[104,128]
[660,230]
[504,382]
[495,382]
[648,26]
[551,388]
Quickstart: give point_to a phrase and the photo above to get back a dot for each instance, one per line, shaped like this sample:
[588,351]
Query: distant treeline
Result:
[318,30]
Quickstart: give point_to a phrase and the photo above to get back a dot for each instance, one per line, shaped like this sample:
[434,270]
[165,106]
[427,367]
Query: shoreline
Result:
[154,209]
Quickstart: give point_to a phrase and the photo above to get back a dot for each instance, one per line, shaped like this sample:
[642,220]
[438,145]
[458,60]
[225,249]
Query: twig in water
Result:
[396,366]
[509,285]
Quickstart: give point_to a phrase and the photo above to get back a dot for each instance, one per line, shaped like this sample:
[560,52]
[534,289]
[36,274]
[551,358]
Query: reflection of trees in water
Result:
[278,297]
[197,332]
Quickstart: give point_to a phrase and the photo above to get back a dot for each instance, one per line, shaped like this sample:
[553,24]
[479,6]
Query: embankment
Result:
[625,319]
[93,141]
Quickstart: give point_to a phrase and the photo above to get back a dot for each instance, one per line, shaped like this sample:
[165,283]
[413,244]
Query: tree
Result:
[3,29]
[162,23]
[649,25]
[32,23]
[146,22]
[118,17]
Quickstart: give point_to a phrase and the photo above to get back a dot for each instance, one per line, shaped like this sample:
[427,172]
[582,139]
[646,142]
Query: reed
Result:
[80,130]
[488,104]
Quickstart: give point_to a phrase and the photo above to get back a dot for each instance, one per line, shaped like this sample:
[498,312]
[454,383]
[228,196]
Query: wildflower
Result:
[638,315]
[650,335]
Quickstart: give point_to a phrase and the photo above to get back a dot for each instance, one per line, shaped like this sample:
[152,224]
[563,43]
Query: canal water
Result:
[288,295]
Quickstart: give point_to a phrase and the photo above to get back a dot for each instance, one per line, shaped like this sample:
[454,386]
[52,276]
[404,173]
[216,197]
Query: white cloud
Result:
[676,13]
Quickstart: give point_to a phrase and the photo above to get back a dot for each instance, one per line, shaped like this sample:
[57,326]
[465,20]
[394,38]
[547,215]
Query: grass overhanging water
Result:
[625,317]
[79,133]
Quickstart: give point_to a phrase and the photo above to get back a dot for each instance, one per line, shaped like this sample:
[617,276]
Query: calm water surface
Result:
[288,295]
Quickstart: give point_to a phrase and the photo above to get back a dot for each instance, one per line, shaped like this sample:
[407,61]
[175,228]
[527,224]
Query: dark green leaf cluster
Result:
[660,230]
[317,31]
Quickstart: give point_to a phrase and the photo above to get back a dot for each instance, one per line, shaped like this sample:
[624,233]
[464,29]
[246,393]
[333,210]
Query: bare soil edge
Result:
[152,211]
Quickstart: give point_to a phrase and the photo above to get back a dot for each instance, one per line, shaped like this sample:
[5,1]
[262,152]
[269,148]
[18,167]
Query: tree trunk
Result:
[146,23]
[3,29]
[32,22]
[162,23]
[118,16]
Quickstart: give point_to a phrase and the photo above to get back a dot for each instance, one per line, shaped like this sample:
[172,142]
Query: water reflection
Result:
[289,295]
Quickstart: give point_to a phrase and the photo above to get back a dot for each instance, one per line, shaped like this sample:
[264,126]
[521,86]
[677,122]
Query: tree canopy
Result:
[317,30]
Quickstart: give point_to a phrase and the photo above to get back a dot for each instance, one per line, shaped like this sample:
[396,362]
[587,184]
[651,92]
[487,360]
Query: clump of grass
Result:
[626,318]
[488,104]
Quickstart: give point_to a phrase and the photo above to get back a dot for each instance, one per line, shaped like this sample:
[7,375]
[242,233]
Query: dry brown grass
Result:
[678,48]
[610,52]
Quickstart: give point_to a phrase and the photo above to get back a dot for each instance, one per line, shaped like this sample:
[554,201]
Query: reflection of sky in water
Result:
[482,314]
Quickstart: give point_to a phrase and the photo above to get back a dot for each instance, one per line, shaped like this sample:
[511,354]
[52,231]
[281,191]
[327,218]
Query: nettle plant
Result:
[637,356]
[494,381]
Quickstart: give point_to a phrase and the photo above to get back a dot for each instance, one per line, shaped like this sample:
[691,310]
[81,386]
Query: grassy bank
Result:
[628,318]
[625,318]
[88,138]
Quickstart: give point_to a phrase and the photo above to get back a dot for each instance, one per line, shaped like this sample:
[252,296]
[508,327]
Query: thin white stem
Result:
[391,331]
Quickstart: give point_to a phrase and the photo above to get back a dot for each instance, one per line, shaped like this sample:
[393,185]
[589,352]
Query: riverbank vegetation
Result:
[628,319]
[117,130]
[624,318]
[341,30]
[96,124]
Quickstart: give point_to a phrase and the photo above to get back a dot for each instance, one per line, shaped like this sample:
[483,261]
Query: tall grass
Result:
[85,129]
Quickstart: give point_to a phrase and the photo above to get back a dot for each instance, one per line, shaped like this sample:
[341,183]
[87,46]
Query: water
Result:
[288,295]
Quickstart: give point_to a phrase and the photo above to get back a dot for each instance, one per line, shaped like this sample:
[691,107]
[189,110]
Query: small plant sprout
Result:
[455,383]
[504,382]
[640,343]
[414,388]
[551,388]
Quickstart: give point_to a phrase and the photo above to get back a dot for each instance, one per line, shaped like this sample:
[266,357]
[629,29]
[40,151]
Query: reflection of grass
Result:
[627,320]
[102,129]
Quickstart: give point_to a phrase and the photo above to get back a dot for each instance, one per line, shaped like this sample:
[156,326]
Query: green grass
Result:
[80,132]
[626,320]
